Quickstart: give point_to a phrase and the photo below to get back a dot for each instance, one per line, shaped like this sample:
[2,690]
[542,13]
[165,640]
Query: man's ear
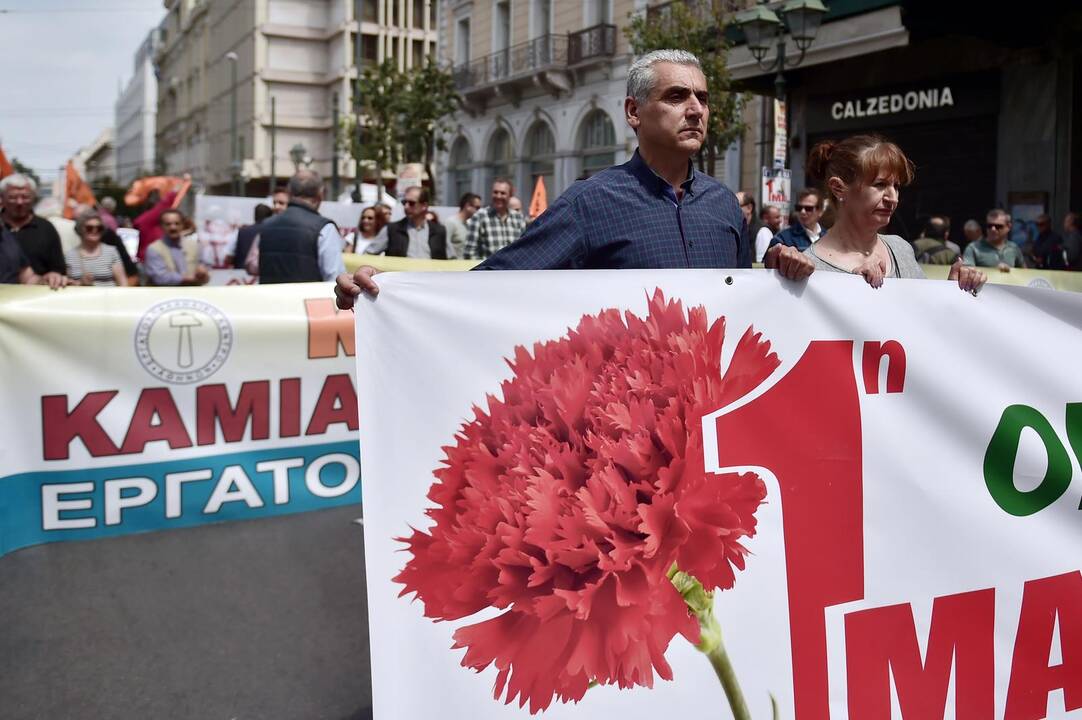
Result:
[631,112]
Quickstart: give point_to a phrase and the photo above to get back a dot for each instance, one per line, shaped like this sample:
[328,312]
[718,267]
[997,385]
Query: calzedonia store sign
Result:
[939,99]
[893,104]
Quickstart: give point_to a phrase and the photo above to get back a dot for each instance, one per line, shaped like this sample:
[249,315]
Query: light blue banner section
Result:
[60,506]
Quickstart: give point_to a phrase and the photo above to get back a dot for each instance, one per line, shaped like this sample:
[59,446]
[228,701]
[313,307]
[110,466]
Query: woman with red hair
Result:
[863,174]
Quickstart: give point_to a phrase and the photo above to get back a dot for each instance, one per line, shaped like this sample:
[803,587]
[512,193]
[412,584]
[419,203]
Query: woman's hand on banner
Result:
[873,270]
[788,261]
[348,287]
[969,278]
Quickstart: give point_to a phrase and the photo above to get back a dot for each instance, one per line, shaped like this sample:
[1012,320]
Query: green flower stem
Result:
[701,604]
[719,659]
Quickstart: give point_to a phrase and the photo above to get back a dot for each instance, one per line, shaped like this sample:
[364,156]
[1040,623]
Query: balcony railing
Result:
[593,42]
[699,9]
[548,52]
[516,61]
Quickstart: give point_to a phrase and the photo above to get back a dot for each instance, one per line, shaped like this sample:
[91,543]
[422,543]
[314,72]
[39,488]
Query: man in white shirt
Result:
[770,216]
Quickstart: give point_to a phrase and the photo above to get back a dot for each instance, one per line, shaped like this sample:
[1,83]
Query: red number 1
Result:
[806,430]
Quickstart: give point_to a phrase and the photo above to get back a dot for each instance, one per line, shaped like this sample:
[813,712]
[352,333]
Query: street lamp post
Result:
[763,28]
[234,145]
[299,155]
[359,63]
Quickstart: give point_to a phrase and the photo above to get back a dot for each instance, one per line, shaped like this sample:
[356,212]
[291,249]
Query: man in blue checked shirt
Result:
[654,211]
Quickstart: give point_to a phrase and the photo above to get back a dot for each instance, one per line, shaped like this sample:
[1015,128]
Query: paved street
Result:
[259,619]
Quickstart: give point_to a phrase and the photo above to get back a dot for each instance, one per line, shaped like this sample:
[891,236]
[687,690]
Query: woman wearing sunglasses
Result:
[92,262]
[370,231]
[863,175]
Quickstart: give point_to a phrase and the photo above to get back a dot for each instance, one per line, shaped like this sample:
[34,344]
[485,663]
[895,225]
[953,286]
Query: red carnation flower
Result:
[570,501]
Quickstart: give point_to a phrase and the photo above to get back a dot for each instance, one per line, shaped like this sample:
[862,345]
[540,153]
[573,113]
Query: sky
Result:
[64,62]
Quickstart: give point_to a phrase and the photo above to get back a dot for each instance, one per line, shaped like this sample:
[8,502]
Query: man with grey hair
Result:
[654,211]
[36,236]
[107,212]
[299,244]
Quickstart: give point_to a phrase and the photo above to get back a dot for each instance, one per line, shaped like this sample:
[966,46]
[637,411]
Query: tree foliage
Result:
[699,27]
[405,116]
[25,170]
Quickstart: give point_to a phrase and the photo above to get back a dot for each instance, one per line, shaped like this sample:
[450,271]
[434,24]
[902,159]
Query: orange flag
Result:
[140,189]
[76,191]
[539,203]
[181,192]
[5,166]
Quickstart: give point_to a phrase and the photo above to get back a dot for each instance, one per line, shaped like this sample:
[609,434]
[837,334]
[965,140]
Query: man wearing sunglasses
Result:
[413,236]
[994,249]
[809,208]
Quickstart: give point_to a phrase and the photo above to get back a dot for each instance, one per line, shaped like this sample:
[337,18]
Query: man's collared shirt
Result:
[982,253]
[329,248]
[798,236]
[418,242]
[41,244]
[158,272]
[628,217]
[487,232]
[456,236]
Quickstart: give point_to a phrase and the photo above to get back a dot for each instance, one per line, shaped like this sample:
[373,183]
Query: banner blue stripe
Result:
[68,505]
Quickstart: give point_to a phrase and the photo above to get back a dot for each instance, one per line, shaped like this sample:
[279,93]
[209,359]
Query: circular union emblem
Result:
[1040,283]
[183,341]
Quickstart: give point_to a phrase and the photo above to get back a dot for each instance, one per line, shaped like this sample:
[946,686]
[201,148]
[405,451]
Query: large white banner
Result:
[720,494]
[136,409]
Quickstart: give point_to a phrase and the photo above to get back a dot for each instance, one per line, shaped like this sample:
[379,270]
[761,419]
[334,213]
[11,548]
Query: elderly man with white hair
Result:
[35,235]
[654,211]
[107,212]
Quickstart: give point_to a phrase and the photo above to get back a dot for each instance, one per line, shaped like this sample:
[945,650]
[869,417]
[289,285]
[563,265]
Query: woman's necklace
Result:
[842,259]
[839,251]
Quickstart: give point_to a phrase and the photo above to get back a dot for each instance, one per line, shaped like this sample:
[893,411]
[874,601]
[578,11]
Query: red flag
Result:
[5,166]
[539,202]
[76,191]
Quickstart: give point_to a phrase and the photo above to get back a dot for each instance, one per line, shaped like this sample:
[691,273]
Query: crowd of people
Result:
[991,244]
[32,250]
[654,211]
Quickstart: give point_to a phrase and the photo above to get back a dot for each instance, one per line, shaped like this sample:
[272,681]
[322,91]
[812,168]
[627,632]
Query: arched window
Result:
[541,158]
[597,143]
[460,180]
[501,157]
